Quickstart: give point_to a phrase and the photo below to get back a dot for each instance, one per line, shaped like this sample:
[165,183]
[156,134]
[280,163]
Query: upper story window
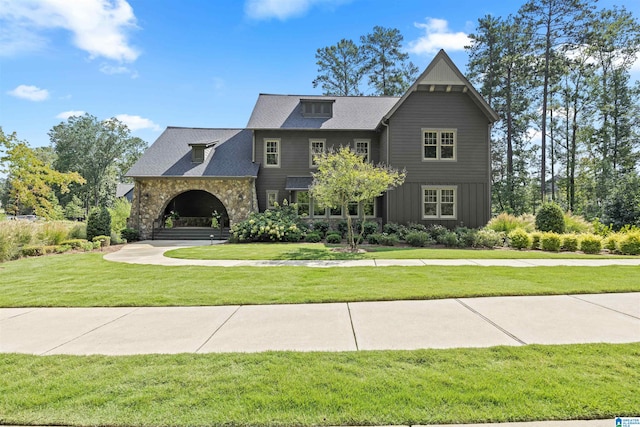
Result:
[363,149]
[316,147]
[317,108]
[439,144]
[272,153]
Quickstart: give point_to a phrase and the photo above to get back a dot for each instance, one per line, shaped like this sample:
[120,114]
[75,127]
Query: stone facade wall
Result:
[151,196]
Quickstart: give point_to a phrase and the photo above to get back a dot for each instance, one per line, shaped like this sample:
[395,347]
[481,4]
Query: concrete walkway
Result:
[392,325]
[152,252]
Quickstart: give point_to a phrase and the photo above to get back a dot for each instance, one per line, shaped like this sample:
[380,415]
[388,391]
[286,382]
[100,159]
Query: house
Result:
[124,191]
[438,131]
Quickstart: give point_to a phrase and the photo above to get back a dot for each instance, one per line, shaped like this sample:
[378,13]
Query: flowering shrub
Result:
[519,239]
[279,224]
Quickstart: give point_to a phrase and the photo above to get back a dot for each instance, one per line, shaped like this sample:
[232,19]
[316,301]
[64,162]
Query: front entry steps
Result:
[190,233]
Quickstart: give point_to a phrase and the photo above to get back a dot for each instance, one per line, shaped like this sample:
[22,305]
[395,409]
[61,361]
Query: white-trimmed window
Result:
[304,203]
[439,202]
[272,153]
[272,198]
[363,149]
[439,144]
[316,147]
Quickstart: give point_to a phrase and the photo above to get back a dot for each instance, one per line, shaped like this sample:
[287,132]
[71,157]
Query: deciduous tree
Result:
[31,180]
[343,177]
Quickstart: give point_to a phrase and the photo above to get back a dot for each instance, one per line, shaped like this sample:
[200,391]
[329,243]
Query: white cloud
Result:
[118,69]
[99,27]
[284,9]
[66,114]
[438,36]
[137,123]
[31,93]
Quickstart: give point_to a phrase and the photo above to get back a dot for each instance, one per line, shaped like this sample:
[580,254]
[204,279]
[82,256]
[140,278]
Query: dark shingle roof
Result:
[349,112]
[170,154]
[298,183]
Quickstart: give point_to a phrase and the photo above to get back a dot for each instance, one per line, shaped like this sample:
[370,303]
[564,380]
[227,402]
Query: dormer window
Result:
[200,151]
[317,108]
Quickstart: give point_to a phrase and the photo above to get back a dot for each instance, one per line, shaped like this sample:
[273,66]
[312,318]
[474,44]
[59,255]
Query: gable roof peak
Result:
[443,72]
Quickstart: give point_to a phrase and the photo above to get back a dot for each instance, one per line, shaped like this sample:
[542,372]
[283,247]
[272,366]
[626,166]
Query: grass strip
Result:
[500,384]
[319,251]
[87,280]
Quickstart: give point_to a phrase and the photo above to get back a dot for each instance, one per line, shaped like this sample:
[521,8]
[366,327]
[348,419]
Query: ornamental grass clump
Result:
[590,243]
[519,239]
[506,222]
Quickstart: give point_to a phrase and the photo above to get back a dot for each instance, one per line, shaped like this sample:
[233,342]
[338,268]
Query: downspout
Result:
[386,198]
[253,146]
[489,168]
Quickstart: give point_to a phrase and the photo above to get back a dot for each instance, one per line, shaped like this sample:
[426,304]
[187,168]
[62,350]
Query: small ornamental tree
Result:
[343,177]
[98,223]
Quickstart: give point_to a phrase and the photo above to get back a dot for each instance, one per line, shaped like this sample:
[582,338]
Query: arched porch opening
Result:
[195,208]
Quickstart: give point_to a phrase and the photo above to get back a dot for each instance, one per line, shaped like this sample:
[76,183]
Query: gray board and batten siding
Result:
[295,156]
[469,172]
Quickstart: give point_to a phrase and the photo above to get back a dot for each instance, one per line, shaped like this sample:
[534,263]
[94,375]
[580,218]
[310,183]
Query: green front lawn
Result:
[320,251]
[593,381]
[87,280]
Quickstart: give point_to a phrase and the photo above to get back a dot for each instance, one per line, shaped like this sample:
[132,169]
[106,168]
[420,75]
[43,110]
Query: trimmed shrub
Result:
[74,243]
[630,243]
[130,234]
[388,239]
[60,249]
[98,223]
[449,239]
[414,226]
[370,227]
[569,242]
[321,227]
[590,243]
[34,250]
[436,231]
[334,238]
[419,239]
[313,237]
[536,237]
[293,236]
[487,238]
[551,242]
[467,237]
[89,246]
[372,239]
[397,229]
[342,227]
[519,239]
[102,241]
[611,242]
[550,218]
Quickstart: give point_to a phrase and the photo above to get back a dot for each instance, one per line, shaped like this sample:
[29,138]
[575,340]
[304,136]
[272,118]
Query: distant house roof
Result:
[122,190]
[349,112]
[170,155]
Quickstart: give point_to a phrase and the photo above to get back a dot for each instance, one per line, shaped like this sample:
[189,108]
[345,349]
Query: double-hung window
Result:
[316,147]
[439,144]
[272,153]
[362,149]
[439,202]
[272,198]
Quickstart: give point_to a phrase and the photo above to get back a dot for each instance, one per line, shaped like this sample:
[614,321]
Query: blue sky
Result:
[200,63]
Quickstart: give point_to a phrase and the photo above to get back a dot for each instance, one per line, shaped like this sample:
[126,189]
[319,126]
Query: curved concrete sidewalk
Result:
[152,252]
